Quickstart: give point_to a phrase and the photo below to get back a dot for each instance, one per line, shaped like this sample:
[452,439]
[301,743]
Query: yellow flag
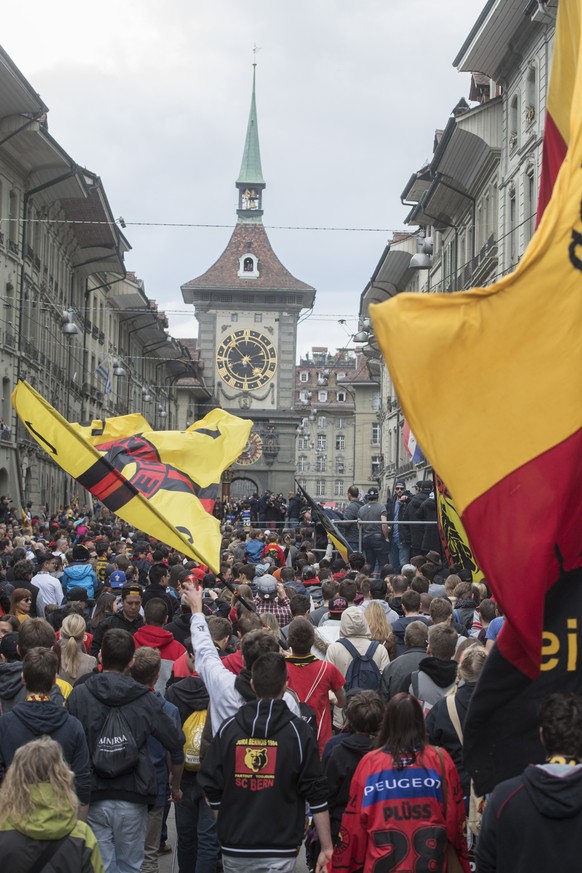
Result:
[152,480]
[492,392]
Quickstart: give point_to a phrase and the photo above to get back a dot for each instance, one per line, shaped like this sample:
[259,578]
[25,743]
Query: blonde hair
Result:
[72,630]
[270,623]
[40,761]
[472,662]
[380,627]
[451,583]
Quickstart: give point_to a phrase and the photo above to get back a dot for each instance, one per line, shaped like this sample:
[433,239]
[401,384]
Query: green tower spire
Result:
[250,182]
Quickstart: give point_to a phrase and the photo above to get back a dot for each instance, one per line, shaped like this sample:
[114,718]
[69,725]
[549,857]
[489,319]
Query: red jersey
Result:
[312,680]
[180,668]
[233,663]
[396,820]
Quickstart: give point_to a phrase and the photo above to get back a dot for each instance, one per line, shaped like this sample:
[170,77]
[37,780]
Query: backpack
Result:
[193,728]
[363,672]
[115,752]
[477,802]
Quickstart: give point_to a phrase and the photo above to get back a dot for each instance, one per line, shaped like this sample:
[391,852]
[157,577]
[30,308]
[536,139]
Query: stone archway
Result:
[243,486]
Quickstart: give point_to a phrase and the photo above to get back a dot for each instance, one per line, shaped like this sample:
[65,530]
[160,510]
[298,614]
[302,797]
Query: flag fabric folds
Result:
[413,450]
[453,536]
[153,480]
[559,99]
[104,373]
[489,361]
[319,515]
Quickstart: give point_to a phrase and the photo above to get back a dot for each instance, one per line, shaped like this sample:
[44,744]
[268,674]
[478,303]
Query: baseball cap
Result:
[117,579]
[337,605]
[267,587]
[372,494]
[8,646]
[261,569]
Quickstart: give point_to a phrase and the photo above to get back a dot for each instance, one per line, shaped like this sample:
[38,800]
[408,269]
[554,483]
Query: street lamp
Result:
[68,326]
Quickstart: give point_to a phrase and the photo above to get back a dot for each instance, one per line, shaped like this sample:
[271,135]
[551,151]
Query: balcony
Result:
[12,246]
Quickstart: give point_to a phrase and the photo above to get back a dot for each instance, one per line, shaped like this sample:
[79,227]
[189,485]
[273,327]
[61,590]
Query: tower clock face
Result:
[246,360]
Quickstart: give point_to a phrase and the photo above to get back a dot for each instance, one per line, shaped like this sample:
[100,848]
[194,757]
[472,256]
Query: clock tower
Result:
[247,305]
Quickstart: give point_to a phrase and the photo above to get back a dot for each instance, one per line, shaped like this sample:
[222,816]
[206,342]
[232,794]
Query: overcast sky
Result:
[154,98]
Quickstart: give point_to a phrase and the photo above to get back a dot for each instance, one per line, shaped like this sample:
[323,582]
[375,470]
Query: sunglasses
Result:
[25,600]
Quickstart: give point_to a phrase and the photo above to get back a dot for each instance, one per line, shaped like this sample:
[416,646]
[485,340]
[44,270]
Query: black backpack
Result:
[363,672]
[115,752]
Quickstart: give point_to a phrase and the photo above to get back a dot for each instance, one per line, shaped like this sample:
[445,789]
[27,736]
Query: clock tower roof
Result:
[250,170]
[225,273]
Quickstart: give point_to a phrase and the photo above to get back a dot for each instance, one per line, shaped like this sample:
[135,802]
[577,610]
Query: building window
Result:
[234,316]
[375,469]
[321,442]
[340,466]
[304,377]
[530,202]
[13,224]
[304,396]
[302,483]
[340,376]
[514,123]
[302,464]
[322,396]
[376,401]
[248,266]
[303,443]
[322,421]
[531,97]
[375,433]
[321,464]
[340,423]
[320,488]
[341,396]
[340,442]
[339,487]
[512,228]
[258,317]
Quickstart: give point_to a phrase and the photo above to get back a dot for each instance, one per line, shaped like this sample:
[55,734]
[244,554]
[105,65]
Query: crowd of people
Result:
[292,702]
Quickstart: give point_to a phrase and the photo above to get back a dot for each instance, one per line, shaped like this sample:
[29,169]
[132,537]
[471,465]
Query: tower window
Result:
[248,266]
[258,317]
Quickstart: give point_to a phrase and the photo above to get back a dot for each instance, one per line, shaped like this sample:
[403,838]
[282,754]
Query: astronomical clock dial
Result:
[246,360]
[252,451]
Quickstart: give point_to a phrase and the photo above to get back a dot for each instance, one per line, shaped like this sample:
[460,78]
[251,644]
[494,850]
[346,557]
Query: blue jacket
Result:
[254,550]
[79,576]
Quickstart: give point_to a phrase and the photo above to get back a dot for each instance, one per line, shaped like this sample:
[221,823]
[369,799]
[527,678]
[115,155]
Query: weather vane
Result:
[256,48]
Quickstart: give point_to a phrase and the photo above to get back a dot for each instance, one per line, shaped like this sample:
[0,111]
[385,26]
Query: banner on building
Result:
[471,391]
[150,479]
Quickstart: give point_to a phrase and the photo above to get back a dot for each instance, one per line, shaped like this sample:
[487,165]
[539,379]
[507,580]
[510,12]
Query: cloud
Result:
[154,98]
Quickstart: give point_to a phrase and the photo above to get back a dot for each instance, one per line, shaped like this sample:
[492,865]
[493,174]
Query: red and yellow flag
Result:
[493,394]
[559,100]
[154,480]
